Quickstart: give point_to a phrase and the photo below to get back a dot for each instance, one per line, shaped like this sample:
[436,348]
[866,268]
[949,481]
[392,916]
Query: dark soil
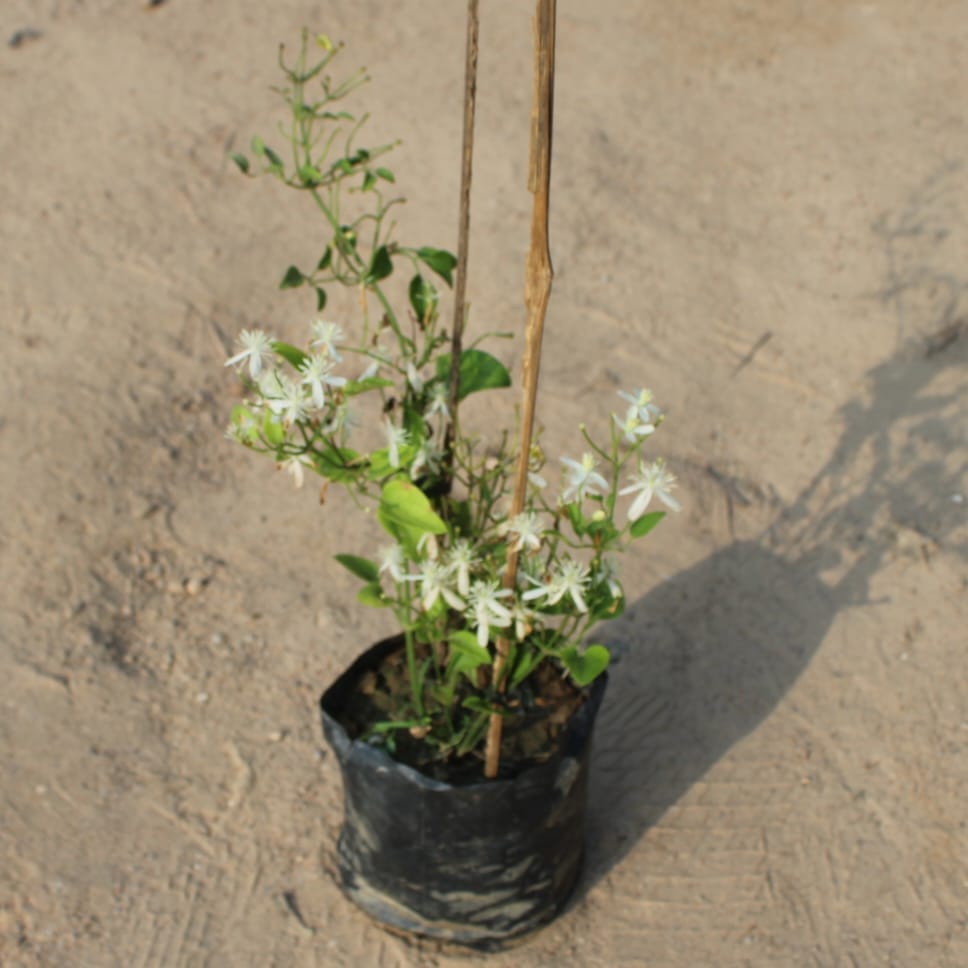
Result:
[537,712]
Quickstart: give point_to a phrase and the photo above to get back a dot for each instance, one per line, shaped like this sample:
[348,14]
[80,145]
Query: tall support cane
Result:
[537,291]
[463,233]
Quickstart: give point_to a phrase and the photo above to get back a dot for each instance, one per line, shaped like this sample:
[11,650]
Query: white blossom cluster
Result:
[307,401]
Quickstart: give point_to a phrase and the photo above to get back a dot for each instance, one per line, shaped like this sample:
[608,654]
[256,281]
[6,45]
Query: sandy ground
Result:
[759,211]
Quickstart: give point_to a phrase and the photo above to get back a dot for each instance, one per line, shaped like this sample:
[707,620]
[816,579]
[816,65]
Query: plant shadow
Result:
[702,659]
[700,662]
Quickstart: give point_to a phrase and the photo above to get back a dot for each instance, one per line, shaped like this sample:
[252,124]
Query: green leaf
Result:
[241,161]
[423,298]
[441,261]
[361,567]
[466,655]
[243,417]
[353,387]
[291,354]
[414,422]
[310,175]
[525,665]
[381,265]
[292,279]
[373,596]
[405,512]
[643,525]
[465,643]
[379,465]
[272,430]
[391,724]
[337,463]
[587,666]
[385,174]
[320,299]
[274,160]
[478,704]
[369,180]
[604,531]
[478,371]
[325,259]
[346,239]
[575,516]
[473,734]
[258,146]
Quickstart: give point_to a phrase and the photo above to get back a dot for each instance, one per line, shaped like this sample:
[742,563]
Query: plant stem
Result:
[537,291]
[411,648]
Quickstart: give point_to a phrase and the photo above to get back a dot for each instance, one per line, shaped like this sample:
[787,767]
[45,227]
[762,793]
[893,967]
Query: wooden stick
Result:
[463,233]
[537,291]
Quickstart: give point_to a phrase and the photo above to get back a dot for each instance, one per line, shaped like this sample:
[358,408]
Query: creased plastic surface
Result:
[473,864]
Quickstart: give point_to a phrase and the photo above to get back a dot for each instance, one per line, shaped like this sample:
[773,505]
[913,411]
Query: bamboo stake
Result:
[463,233]
[537,291]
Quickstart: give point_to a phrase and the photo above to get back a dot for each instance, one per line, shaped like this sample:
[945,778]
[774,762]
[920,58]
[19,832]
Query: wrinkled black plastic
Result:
[474,864]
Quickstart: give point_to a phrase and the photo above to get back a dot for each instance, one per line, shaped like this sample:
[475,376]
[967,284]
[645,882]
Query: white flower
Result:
[571,580]
[243,427]
[524,619]
[397,437]
[378,357]
[535,463]
[583,478]
[414,378]
[316,373]
[428,456]
[427,545]
[391,562]
[435,582]
[652,480]
[290,404]
[633,427]
[461,560]
[527,527]
[294,467]
[343,421]
[607,576]
[438,402]
[256,348]
[235,431]
[325,337]
[485,610]
[272,385]
[642,401]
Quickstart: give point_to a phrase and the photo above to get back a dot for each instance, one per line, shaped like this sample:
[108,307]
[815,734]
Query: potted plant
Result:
[464,740]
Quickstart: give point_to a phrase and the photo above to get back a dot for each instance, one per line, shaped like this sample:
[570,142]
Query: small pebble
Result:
[201,698]
[23,36]
[193,585]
